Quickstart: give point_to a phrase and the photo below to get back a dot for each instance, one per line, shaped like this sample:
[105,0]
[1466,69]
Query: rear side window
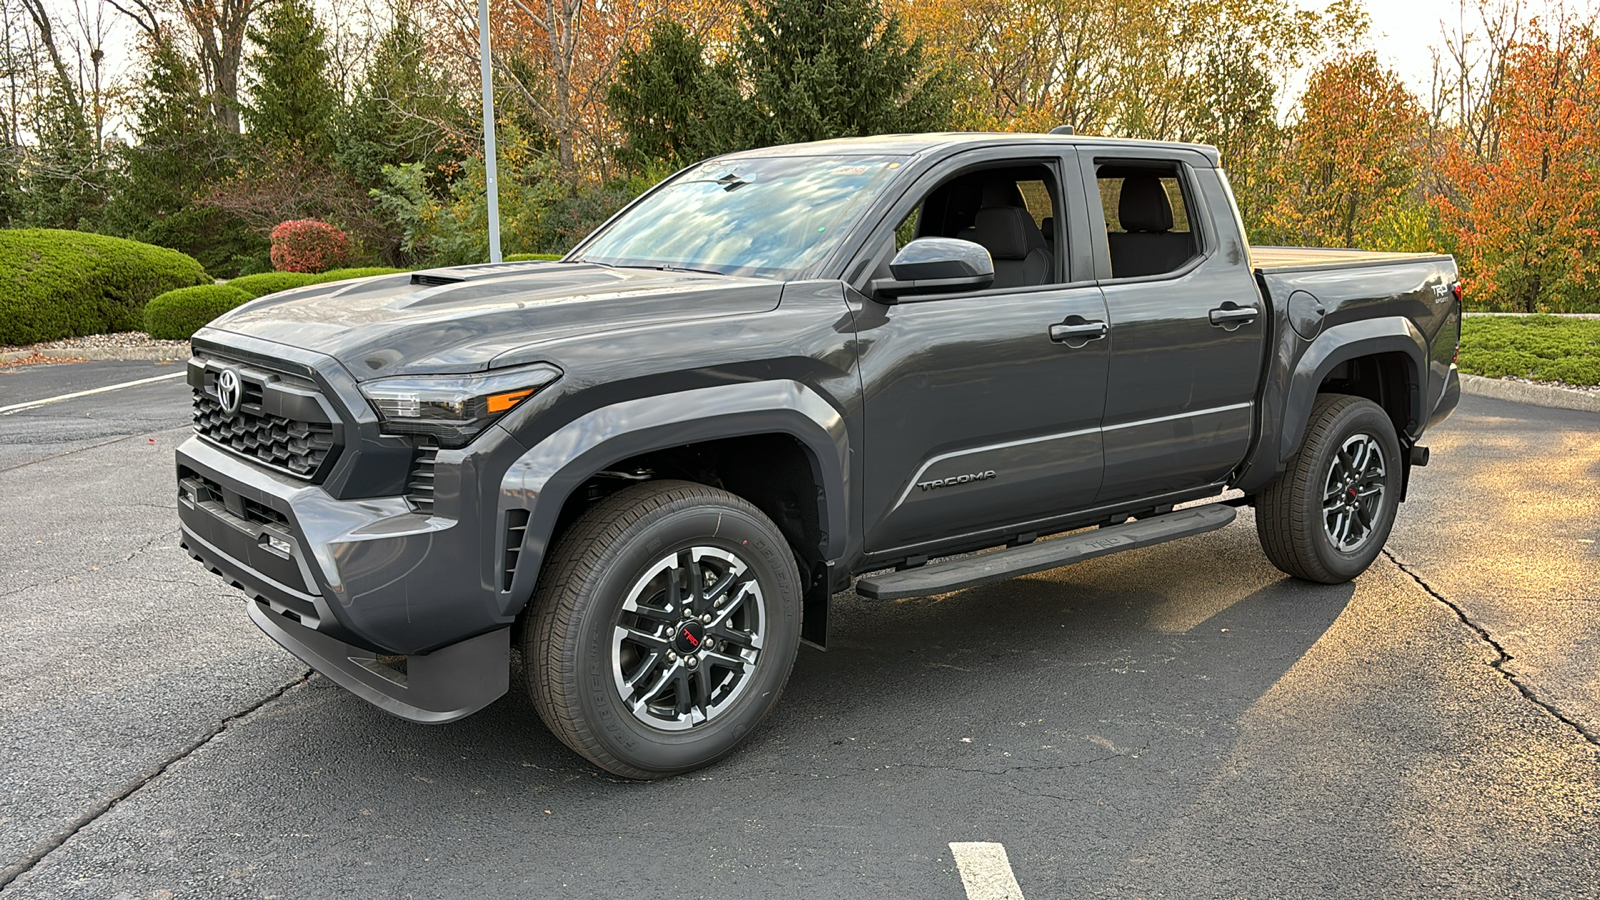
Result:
[1147,218]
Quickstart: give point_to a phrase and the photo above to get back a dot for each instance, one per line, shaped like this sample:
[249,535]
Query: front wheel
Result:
[1326,518]
[663,629]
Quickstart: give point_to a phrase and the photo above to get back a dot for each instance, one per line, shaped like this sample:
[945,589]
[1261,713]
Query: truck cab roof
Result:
[949,141]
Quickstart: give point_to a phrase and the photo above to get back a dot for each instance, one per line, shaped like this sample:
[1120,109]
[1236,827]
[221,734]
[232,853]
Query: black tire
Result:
[583,645]
[1314,522]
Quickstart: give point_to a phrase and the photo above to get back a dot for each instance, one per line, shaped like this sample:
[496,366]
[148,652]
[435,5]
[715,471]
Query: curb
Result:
[1532,394]
[96,354]
[1490,315]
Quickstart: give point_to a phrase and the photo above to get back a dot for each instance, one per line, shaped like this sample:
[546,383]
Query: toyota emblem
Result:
[230,392]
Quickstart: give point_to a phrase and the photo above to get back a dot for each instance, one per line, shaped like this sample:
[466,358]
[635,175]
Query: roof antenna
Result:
[1063,129]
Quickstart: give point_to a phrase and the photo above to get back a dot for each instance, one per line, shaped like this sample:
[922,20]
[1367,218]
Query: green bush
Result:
[532,257]
[56,284]
[177,315]
[1543,348]
[273,282]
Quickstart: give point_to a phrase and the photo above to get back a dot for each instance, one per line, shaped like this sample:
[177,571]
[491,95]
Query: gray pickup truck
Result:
[649,466]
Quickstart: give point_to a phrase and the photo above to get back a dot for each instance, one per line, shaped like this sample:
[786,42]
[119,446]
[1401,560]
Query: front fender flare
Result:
[541,480]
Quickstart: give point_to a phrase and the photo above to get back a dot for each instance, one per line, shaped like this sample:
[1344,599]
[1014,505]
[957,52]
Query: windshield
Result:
[772,217]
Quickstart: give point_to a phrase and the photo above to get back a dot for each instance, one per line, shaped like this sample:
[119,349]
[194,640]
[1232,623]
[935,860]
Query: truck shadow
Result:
[926,721]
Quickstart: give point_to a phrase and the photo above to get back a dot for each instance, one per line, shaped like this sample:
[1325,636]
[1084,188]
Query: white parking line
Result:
[986,871]
[19,407]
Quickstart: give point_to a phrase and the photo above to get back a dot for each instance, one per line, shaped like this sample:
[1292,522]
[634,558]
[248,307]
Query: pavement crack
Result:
[49,845]
[1502,657]
[45,459]
[150,543]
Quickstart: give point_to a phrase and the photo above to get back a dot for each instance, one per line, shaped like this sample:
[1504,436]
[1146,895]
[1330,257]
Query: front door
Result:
[983,409]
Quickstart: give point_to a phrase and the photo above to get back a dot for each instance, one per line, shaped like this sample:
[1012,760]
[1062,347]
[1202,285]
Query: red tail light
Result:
[1456,289]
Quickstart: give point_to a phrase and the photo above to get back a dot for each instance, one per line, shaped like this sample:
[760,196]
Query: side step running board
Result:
[957,574]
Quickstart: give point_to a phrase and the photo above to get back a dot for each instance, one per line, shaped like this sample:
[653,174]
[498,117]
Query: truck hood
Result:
[471,318]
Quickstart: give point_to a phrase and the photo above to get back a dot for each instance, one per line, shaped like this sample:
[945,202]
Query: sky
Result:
[1404,30]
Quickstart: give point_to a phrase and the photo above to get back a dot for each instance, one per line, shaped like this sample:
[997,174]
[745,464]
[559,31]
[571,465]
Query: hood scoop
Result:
[435,278]
[458,274]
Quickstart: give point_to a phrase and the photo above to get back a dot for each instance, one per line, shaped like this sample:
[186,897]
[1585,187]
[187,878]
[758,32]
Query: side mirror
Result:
[934,265]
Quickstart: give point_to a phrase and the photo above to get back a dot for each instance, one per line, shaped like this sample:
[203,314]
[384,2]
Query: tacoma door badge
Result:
[230,392]
[955,480]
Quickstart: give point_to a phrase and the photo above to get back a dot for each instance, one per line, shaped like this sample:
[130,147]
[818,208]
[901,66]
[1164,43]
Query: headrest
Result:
[1001,192]
[1144,206]
[1003,231]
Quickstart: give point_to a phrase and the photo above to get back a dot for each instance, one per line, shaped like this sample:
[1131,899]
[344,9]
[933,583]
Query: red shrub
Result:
[306,245]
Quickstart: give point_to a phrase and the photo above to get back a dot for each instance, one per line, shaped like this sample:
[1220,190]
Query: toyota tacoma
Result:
[649,466]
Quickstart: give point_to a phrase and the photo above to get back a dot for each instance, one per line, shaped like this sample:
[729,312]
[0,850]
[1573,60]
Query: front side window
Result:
[770,217]
[1009,209]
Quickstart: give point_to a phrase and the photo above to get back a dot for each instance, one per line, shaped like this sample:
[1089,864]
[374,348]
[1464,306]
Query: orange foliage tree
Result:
[559,57]
[1527,219]
[1352,155]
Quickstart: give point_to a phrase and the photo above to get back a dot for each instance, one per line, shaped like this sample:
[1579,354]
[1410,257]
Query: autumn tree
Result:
[1351,154]
[216,31]
[177,152]
[1527,218]
[1164,69]
[558,58]
[57,107]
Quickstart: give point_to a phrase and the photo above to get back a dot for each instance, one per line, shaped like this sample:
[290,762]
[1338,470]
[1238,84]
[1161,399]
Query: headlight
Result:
[453,408]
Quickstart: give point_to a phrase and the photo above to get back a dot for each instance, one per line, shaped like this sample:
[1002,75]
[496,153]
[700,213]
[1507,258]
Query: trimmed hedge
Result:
[1544,348]
[533,257]
[56,284]
[273,282]
[177,315]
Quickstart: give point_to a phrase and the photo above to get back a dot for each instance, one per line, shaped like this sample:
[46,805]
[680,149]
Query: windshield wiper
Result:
[672,268]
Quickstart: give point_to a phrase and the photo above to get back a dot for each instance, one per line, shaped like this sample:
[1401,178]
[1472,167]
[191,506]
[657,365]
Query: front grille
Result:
[261,514]
[299,448]
[419,487]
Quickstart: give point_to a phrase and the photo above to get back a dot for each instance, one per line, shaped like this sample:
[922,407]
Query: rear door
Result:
[1187,323]
[976,416]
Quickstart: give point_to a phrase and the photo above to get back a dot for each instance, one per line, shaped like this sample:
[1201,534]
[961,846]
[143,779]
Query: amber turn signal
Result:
[499,403]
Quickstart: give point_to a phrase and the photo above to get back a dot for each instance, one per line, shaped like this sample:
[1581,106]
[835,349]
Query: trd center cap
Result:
[689,638]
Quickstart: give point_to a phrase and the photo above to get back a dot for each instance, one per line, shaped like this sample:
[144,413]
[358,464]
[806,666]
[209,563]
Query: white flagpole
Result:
[491,167]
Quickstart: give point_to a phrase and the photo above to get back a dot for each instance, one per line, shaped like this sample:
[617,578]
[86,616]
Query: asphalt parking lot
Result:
[1179,721]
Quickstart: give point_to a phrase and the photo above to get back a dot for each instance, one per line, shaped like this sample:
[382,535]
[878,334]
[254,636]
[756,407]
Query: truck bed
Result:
[1272,260]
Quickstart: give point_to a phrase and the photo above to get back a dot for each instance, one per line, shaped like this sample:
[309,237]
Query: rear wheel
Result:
[1326,518]
[663,629]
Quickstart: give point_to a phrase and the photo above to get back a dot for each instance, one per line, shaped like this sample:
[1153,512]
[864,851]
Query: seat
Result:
[1004,228]
[1147,245]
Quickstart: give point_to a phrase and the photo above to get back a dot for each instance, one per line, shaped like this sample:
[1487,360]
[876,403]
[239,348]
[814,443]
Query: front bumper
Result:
[379,598]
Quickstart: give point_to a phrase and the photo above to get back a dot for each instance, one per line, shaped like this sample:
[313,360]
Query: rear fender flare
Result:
[542,479]
[1349,341]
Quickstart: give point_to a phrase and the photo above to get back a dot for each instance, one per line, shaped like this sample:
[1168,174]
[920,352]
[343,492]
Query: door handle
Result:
[1077,333]
[1229,317]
